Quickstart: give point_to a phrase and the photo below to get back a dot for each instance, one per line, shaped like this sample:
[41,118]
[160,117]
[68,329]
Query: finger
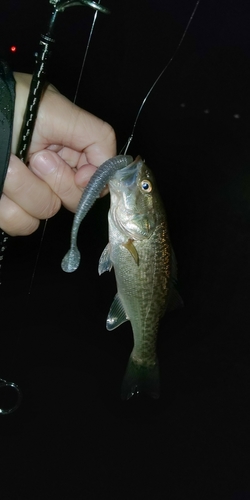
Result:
[60,121]
[29,192]
[14,220]
[80,163]
[70,156]
[61,178]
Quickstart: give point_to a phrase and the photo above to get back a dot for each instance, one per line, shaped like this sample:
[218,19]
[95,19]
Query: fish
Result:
[140,252]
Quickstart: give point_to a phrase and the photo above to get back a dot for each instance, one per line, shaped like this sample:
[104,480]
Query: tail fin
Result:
[141,379]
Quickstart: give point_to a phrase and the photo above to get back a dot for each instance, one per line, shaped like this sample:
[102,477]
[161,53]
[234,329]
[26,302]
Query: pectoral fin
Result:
[131,248]
[116,315]
[105,263]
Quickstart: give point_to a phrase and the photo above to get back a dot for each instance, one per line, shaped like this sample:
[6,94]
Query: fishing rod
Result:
[37,86]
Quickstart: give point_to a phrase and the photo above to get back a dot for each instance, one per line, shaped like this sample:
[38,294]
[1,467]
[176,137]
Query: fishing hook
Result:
[35,93]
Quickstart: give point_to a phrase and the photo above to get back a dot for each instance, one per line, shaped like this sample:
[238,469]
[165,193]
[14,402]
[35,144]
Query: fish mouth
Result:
[127,176]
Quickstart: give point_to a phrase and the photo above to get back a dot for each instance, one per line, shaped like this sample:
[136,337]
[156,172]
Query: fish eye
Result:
[146,186]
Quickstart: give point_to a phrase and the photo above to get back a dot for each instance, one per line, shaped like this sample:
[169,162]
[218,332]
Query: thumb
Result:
[60,177]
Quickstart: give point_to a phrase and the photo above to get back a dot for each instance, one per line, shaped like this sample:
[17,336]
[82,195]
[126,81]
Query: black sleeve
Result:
[7,103]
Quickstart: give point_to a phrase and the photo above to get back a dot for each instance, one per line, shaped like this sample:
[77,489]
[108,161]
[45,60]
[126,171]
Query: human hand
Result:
[67,146]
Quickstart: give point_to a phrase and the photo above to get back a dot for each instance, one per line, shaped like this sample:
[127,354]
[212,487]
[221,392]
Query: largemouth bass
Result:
[139,249]
[140,252]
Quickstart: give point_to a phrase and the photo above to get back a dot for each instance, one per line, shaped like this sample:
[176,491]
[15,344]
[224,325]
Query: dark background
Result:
[72,438]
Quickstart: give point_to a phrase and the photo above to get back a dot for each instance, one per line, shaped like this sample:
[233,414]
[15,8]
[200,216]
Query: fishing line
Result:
[85,53]
[127,144]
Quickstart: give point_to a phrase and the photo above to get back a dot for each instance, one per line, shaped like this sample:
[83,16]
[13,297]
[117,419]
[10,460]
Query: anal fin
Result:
[116,315]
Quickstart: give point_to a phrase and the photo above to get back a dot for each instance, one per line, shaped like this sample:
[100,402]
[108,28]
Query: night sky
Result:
[72,437]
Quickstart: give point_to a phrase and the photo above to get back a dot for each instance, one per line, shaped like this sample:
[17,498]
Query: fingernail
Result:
[43,163]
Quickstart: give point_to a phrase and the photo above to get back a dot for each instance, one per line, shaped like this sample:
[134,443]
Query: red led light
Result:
[13,48]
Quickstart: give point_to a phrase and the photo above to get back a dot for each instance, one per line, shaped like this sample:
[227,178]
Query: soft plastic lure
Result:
[92,191]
